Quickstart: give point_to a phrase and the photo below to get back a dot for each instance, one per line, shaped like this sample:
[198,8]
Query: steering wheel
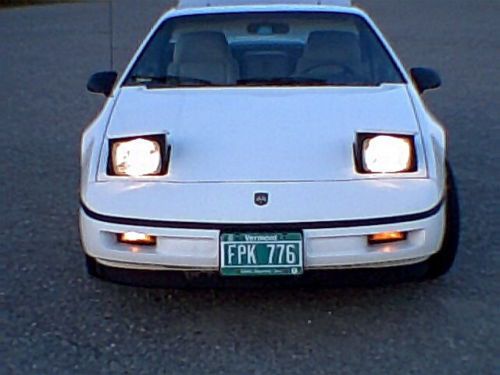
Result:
[344,68]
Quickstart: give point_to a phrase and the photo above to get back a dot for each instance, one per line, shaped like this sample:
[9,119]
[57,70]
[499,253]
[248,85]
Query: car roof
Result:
[199,7]
[183,4]
[202,7]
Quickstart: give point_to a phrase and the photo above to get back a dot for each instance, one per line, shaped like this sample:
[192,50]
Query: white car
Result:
[253,139]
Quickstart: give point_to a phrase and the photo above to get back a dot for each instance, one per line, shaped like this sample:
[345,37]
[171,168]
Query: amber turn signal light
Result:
[134,238]
[385,237]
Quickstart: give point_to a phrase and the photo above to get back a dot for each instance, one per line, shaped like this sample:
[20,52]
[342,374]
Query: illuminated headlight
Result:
[137,157]
[387,153]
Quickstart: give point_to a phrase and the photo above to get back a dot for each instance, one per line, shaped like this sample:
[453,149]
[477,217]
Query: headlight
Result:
[386,153]
[137,157]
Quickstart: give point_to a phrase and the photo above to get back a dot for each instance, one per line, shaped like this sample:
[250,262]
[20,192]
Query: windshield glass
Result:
[264,48]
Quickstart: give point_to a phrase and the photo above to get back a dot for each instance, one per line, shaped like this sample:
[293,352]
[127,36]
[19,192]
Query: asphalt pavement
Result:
[54,319]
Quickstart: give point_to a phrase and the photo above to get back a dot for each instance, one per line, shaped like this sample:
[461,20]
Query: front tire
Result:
[441,262]
[91,265]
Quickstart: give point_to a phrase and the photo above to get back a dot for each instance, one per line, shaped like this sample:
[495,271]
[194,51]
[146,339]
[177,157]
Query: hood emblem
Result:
[261,199]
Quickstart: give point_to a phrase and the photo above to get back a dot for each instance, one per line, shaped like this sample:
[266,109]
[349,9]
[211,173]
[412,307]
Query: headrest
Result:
[333,45]
[201,46]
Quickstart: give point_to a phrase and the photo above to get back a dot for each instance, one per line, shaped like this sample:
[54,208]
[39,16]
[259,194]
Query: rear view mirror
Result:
[102,83]
[425,79]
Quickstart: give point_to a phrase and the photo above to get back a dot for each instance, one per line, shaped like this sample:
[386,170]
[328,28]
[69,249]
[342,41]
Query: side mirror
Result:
[425,79]
[102,83]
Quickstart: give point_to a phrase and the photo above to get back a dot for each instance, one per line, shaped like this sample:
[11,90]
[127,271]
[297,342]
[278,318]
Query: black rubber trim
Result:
[271,227]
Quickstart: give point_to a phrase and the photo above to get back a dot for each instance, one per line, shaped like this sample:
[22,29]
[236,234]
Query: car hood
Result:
[262,134]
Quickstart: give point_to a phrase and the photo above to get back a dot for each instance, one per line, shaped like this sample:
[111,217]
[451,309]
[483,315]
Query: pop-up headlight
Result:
[386,153]
[139,156]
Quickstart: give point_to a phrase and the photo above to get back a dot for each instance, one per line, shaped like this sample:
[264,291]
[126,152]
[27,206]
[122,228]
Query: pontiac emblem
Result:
[261,199]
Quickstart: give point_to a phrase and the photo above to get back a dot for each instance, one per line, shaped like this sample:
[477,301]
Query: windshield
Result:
[264,48]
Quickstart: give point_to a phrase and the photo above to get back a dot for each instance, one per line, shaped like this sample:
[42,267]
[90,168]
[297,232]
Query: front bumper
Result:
[196,248]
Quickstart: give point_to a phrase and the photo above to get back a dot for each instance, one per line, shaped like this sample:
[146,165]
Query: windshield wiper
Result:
[302,81]
[152,82]
[283,81]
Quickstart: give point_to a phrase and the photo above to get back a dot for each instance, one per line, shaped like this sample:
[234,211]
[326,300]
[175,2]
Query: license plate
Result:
[261,254]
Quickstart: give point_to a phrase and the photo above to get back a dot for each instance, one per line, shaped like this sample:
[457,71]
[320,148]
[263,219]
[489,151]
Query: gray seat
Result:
[204,55]
[326,52]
